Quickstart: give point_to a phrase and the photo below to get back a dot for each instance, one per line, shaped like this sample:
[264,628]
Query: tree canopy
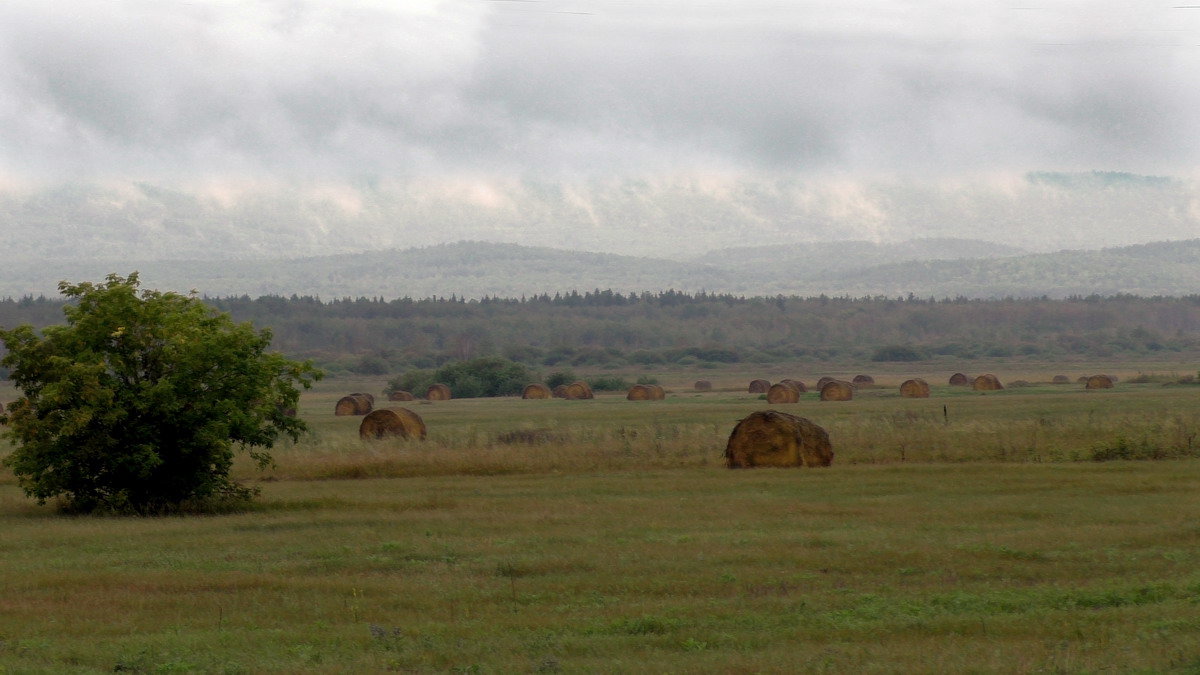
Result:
[141,400]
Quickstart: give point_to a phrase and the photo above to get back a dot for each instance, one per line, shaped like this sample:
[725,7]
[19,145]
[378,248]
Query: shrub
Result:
[896,353]
[487,376]
[607,383]
[560,377]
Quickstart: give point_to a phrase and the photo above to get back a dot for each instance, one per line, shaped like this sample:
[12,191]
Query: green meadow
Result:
[1039,528]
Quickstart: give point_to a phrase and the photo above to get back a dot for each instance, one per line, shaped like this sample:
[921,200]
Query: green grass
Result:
[985,539]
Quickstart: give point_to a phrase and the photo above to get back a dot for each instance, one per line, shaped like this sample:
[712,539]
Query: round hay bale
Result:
[537,390]
[703,385]
[824,381]
[986,382]
[1061,379]
[560,391]
[352,404]
[640,392]
[914,388]
[1082,379]
[783,392]
[1099,382]
[579,390]
[658,392]
[795,383]
[771,438]
[960,380]
[370,397]
[400,395]
[860,380]
[1020,383]
[837,390]
[387,422]
[759,386]
[438,392]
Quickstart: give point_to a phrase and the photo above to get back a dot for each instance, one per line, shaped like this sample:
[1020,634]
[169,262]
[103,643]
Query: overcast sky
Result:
[330,91]
[328,88]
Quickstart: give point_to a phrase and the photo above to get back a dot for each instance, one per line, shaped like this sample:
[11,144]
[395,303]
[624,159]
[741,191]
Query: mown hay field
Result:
[966,531]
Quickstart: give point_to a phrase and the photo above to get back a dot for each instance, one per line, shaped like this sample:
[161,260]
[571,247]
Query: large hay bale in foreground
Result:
[579,390]
[703,385]
[640,392]
[387,422]
[960,380]
[400,395]
[353,404]
[759,386]
[536,390]
[783,392]
[1060,379]
[799,385]
[438,392]
[914,388]
[1099,382]
[770,438]
[986,382]
[837,390]
[861,380]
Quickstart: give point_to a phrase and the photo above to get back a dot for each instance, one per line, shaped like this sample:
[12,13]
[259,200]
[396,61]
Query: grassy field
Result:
[965,532]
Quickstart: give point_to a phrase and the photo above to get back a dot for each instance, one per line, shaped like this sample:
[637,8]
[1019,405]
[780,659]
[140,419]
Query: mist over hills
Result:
[677,217]
[929,267]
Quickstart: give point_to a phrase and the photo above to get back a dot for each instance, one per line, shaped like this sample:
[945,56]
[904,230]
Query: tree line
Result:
[603,328]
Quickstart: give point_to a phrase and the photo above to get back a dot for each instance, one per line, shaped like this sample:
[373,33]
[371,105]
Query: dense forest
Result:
[606,329]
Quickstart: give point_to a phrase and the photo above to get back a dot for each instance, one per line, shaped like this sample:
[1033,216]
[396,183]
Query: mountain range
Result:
[924,267]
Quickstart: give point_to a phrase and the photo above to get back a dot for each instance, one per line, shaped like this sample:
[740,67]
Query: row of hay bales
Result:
[573,391]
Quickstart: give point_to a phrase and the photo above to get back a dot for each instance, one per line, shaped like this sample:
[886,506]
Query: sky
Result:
[475,100]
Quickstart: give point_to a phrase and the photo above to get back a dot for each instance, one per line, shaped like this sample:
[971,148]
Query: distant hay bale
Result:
[388,422]
[657,391]
[536,390]
[770,438]
[783,392]
[353,404]
[640,392]
[837,390]
[1061,379]
[703,385]
[1099,382]
[960,380]
[795,383]
[559,391]
[824,381]
[759,386]
[438,392]
[914,388]
[579,390]
[1082,379]
[399,395]
[861,380]
[1020,383]
[370,397]
[986,382]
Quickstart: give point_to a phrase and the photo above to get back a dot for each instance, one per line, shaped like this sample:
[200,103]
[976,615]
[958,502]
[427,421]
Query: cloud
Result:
[325,89]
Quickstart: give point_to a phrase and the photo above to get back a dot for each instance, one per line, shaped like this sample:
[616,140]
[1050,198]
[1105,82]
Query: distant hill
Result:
[824,257]
[931,267]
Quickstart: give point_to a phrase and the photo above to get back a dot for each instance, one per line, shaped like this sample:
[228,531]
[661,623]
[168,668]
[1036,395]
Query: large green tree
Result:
[140,402]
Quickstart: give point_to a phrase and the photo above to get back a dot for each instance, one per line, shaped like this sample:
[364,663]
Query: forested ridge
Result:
[601,329]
